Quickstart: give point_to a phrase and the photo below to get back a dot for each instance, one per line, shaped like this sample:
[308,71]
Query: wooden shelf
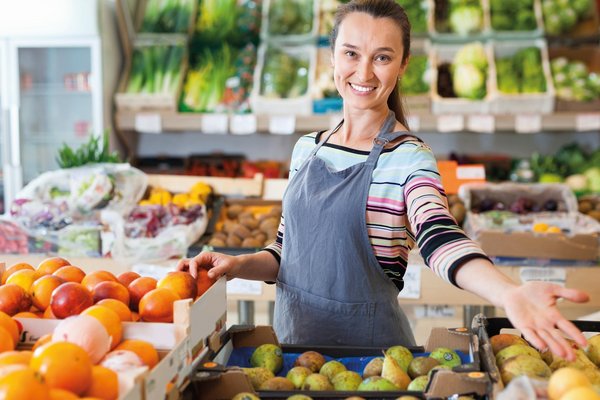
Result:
[171,121]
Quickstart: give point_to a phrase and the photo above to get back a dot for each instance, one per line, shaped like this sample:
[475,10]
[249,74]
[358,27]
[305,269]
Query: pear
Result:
[331,368]
[437,367]
[277,383]
[346,380]
[446,356]
[401,354]
[245,396]
[421,366]
[317,382]
[593,351]
[503,340]
[258,375]
[394,373]
[522,364]
[376,383]
[297,375]
[514,350]
[419,384]
[311,360]
[268,356]
[373,368]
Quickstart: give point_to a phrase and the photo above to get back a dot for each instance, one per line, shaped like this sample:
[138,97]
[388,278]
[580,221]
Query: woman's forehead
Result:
[361,28]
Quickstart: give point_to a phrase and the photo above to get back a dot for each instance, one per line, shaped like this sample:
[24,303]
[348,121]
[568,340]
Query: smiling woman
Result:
[360,197]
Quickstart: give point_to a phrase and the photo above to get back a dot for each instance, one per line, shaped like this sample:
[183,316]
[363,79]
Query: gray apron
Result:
[331,289]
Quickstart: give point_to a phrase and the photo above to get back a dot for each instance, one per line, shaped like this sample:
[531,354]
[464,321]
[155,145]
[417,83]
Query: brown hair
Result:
[379,9]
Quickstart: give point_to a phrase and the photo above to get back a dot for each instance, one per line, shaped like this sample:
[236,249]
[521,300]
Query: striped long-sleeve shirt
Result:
[406,204]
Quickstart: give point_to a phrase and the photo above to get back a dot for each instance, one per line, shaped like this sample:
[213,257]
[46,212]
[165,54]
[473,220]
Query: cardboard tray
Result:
[215,381]
[485,328]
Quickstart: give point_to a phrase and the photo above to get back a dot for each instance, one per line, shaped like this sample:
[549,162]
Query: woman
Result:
[358,197]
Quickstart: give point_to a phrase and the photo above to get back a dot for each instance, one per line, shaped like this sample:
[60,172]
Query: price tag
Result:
[528,123]
[154,271]
[282,124]
[214,124]
[335,120]
[244,286]
[587,122]
[434,311]
[243,124]
[412,283]
[414,123]
[148,123]
[553,275]
[450,123]
[481,123]
[470,172]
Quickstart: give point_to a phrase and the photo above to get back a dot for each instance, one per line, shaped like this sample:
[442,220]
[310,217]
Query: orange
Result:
[181,282]
[23,278]
[6,341]
[42,340]
[143,349]
[48,314]
[70,273]
[61,394]
[25,314]
[203,281]
[110,320]
[127,277]
[138,288]
[17,267]
[49,265]
[105,384]
[14,299]
[157,305]
[10,325]
[93,278]
[63,365]
[15,357]
[23,384]
[110,290]
[117,306]
[42,289]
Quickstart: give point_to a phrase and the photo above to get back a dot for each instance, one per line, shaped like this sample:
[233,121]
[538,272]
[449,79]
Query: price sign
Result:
[553,275]
[214,124]
[148,123]
[587,122]
[412,282]
[450,123]
[470,172]
[414,123]
[244,286]
[528,123]
[282,124]
[481,123]
[243,124]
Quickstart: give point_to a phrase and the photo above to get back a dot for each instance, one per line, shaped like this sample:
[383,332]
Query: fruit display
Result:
[251,226]
[561,17]
[461,17]
[87,352]
[512,15]
[573,80]
[172,16]
[521,73]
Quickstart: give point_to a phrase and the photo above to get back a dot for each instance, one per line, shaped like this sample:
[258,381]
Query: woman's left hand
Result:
[531,307]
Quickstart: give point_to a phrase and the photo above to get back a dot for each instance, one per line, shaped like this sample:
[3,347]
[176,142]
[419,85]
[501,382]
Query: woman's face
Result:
[367,60]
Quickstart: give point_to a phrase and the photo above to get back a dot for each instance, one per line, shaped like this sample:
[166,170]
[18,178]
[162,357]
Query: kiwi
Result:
[216,242]
[219,235]
[259,235]
[585,206]
[268,224]
[229,226]
[244,215]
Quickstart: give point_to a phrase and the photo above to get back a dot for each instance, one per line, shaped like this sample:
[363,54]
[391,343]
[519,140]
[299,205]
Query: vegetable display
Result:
[168,16]
[521,73]
[574,81]
[469,71]
[156,69]
[290,17]
[284,75]
[512,15]
[415,79]
[562,16]
[462,17]
[230,21]
[417,14]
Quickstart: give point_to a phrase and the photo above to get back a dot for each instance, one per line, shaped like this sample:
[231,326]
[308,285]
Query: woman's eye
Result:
[350,53]
[383,58]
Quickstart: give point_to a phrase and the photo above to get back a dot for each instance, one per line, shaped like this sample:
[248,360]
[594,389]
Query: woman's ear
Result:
[404,66]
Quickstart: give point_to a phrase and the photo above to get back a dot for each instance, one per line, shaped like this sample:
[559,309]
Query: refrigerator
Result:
[51,89]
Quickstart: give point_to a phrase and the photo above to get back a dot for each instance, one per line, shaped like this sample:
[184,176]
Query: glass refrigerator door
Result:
[59,101]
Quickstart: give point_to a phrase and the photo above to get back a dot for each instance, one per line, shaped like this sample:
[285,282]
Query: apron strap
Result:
[384,136]
[322,142]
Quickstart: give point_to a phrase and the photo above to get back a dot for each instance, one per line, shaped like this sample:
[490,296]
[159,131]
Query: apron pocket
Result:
[305,318]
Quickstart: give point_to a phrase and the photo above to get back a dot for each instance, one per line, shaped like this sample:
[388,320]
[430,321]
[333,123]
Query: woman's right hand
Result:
[217,264]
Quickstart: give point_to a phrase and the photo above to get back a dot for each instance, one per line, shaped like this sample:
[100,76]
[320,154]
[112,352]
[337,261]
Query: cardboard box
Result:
[216,381]
[454,175]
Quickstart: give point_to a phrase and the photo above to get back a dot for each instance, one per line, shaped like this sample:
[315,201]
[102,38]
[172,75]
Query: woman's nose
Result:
[365,71]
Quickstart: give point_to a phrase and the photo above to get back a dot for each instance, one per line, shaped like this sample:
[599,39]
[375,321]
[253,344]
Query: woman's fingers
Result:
[572,331]
[574,295]
[533,338]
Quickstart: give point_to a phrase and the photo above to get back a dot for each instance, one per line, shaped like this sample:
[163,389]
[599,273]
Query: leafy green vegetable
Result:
[167,16]
[414,80]
[284,75]
[155,69]
[521,73]
[290,17]
[512,15]
[416,10]
[88,153]
[466,19]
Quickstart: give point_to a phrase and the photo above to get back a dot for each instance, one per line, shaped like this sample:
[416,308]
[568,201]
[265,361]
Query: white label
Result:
[153,271]
[214,124]
[334,121]
[243,124]
[481,123]
[414,123]
[470,172]
[528,123]
[244,286]
[587,122]
[434,311]
[412,282]
[450,123]
[282,124]
[148,123]
[548,274]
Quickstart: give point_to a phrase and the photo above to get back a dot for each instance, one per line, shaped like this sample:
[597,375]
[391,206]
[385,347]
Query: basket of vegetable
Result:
[458,21]
[571,21]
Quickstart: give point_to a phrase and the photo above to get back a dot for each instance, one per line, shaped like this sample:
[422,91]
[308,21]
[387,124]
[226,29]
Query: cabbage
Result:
[468,81]
[472,53]
[466,19]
